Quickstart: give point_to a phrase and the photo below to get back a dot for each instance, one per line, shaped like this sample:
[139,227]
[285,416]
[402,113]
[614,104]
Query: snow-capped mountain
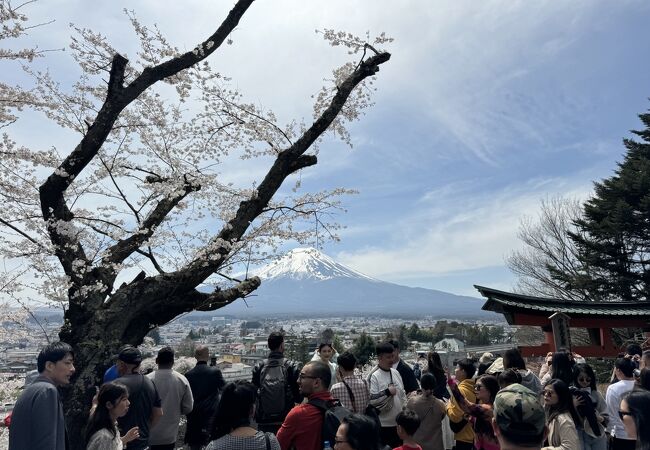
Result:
[307,282]
[302,263]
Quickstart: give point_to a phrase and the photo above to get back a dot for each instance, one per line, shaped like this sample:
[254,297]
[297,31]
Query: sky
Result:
[485,109]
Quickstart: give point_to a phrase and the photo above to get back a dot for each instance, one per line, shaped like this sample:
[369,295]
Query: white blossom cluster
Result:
[167,151]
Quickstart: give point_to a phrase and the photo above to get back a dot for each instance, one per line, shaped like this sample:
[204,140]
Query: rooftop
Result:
[508,303]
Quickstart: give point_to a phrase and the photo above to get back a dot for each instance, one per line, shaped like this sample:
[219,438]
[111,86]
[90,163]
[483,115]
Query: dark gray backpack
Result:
[272,394]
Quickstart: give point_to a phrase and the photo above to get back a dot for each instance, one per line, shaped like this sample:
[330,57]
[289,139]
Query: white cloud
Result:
[458,233]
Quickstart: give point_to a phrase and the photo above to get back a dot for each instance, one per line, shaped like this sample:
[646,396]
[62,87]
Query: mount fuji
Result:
[306,282]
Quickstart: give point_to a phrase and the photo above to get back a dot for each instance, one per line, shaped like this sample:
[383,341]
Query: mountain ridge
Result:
[307,282]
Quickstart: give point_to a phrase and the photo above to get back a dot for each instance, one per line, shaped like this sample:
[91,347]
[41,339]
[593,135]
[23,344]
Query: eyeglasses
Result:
[622,414]
[303,376]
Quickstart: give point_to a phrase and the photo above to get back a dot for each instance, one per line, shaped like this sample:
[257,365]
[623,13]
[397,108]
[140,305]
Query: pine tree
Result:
[363,349]
[614,235]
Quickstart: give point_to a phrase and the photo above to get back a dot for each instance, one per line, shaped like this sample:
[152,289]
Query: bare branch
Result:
[124,248]
[287,162]
[149,254]
[53,206]
[21,232]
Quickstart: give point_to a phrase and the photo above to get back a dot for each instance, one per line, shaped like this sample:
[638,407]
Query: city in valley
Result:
[237,344]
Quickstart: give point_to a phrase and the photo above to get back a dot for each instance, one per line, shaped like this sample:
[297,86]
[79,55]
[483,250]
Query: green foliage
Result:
[363,349]
[327,335]
[614,233]
[193,335]
[470,334]
[186,347]
[337,343]
[297,348]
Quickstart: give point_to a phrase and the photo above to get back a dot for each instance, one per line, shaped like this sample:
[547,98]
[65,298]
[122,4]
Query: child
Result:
[408,423]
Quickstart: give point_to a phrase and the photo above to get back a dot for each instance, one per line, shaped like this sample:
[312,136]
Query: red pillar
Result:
[548,339]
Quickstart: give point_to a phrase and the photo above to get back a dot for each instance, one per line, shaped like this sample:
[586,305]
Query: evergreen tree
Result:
[402,338]
[613,237]
[337,343]
[363,349]
[414,332]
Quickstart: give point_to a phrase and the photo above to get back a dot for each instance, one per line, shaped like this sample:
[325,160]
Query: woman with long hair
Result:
[101,431]
[635,414]
[435,368]
[561,417]
[327,354]
[561,368]
[232,423]
[431,411]
[591,408]
[485,388]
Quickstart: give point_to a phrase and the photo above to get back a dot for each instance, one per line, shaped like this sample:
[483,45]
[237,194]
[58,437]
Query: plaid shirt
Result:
[359,389]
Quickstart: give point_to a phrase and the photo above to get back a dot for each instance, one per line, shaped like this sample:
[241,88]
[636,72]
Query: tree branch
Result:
[149,254]
[287,162]
[220,298]
[125,247]
[53,206]
[21,232]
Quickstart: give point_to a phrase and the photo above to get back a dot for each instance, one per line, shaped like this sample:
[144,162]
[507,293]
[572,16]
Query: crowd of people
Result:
[492,404]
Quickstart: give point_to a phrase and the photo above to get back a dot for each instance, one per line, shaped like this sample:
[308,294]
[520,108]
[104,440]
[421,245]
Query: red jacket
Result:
[302,426]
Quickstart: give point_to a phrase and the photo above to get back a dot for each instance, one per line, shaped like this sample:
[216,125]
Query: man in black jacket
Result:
[405,371]
[276,379]
[206,383]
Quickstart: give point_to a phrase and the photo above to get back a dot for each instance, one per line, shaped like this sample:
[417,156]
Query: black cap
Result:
[130,355]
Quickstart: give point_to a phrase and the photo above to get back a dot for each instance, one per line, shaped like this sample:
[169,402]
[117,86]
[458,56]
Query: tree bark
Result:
[99,321]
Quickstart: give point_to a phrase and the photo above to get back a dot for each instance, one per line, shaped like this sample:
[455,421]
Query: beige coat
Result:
[562,433]
[431,412]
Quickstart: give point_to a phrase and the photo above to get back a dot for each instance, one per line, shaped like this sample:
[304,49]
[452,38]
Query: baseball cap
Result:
[486,358]
[496,367]
[130,355]
[519,414]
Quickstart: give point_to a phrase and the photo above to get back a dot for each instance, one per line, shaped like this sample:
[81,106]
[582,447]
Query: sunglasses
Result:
[622,414]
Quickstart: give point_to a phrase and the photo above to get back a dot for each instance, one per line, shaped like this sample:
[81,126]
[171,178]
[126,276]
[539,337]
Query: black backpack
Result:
[333,415]
[272,394]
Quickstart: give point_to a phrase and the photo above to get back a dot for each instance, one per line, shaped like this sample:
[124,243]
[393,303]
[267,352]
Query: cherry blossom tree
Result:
[123,229]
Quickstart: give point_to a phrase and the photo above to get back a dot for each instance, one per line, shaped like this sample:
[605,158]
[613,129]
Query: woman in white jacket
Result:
[327,354]
[561,417]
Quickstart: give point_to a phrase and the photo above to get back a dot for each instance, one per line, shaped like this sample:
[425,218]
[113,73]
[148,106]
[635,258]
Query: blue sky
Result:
[485,108]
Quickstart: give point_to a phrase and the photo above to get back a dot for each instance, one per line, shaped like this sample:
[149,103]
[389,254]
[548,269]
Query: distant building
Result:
[219,321]
[450,344]
[450,350]
[237,371]
[260,348]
